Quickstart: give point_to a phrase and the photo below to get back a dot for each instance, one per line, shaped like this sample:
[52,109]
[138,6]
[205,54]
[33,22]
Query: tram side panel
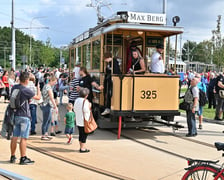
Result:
[152,95]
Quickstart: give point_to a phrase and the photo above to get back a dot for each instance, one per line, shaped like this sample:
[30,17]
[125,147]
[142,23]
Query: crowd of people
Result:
[212,84]
[43,87]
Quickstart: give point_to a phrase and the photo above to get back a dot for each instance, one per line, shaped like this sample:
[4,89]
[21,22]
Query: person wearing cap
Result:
[157,61]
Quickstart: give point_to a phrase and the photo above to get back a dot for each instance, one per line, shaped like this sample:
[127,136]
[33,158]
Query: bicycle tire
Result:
[202,172]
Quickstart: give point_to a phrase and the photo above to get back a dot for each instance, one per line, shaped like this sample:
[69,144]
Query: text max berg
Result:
[146,18]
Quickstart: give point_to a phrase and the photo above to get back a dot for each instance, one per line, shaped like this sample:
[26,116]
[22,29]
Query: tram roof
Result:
[164,30]
[117,23]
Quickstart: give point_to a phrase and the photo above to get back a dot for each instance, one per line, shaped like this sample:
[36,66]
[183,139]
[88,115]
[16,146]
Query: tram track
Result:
[181,137]
[79,164]
[162,149]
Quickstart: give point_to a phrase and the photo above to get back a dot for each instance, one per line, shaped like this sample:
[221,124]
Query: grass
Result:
[207,113]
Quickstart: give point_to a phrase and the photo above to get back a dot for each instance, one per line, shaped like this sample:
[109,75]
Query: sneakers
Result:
[200,126]
[13,159]
[70,141]
[46,138]
[58,132]
[25,161]
[33,133]
[84,151]
[105,112]
[217,118]
[52,134]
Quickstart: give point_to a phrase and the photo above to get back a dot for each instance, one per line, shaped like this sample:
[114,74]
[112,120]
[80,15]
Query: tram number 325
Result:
[147,94]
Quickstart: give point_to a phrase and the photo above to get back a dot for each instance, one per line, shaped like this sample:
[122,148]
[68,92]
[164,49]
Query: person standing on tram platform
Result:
[138,63]
[157,61]
[133,47]
[108,80]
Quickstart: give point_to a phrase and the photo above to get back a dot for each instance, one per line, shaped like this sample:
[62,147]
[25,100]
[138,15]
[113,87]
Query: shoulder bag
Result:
[90,125]
[185,106]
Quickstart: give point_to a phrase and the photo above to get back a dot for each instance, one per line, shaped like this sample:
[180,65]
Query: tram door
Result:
[132,44]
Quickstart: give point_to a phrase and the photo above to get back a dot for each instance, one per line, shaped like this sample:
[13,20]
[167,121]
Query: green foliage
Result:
[41,53]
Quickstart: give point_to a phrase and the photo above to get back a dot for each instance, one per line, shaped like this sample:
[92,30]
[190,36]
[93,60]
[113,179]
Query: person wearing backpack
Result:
[22,117]
[192,97]
[202,87]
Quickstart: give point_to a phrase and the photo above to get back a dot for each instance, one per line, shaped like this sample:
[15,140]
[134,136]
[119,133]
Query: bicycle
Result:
[205,170]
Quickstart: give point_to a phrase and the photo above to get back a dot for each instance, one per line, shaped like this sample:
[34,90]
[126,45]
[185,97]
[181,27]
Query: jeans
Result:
[191,123]
[46,118]
[218,106]
[21,127]
[33,112]
[61,92]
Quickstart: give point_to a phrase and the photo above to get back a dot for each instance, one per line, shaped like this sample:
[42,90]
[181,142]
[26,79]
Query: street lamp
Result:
[31,37]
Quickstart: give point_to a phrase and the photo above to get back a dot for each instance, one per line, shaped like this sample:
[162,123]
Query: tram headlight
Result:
[123,15]
[175,20]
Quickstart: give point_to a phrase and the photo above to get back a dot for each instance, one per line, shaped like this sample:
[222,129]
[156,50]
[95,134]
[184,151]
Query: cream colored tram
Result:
[136,99]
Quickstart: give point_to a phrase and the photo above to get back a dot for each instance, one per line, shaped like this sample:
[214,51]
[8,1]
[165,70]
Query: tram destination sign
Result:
[149,18]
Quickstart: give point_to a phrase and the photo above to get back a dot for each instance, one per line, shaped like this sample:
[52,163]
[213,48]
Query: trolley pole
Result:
[13,39]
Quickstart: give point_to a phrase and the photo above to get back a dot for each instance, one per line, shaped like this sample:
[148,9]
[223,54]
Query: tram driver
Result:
[137,64]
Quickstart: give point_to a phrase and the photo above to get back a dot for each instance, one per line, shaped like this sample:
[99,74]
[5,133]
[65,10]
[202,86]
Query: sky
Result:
[63,20]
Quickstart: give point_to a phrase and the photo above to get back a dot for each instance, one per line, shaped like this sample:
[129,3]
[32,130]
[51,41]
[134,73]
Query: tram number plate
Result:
[147,94]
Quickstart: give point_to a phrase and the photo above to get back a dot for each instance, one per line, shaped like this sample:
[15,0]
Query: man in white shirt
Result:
[76,71]
[157,61]
[57,73]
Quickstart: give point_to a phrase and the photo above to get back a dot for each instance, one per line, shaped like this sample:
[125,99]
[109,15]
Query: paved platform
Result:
[57,160]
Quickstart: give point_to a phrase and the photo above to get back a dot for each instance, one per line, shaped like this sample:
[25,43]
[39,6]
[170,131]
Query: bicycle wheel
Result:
[202,172]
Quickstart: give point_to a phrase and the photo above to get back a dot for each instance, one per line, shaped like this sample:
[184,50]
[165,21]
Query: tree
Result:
[42,53]
[188,51]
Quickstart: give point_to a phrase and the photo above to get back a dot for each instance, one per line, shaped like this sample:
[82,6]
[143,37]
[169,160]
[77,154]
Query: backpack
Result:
[202,98]
[188,97]
[14,101]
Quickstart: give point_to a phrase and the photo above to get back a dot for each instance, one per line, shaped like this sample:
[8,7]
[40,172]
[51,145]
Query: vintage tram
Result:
[137,98]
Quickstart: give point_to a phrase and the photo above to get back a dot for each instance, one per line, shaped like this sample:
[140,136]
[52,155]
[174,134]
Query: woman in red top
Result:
[6,83]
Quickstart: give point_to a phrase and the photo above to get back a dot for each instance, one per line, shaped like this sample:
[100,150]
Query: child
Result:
[69,120]
[54,121]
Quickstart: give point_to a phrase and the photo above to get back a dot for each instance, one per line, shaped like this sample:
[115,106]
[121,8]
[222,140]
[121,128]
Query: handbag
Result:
[185,106]
[2,85]
[221,93]
[90,125]
[4,92]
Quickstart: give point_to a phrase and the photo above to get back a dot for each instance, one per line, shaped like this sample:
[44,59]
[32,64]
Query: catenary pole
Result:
[13,56]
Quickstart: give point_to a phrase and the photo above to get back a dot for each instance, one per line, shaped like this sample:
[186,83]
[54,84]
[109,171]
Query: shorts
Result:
[21,127]
[55,123]
[69,130]
[200,111]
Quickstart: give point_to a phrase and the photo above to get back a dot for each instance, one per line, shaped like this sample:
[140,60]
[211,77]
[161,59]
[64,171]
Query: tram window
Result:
[96,55]
[86,56]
